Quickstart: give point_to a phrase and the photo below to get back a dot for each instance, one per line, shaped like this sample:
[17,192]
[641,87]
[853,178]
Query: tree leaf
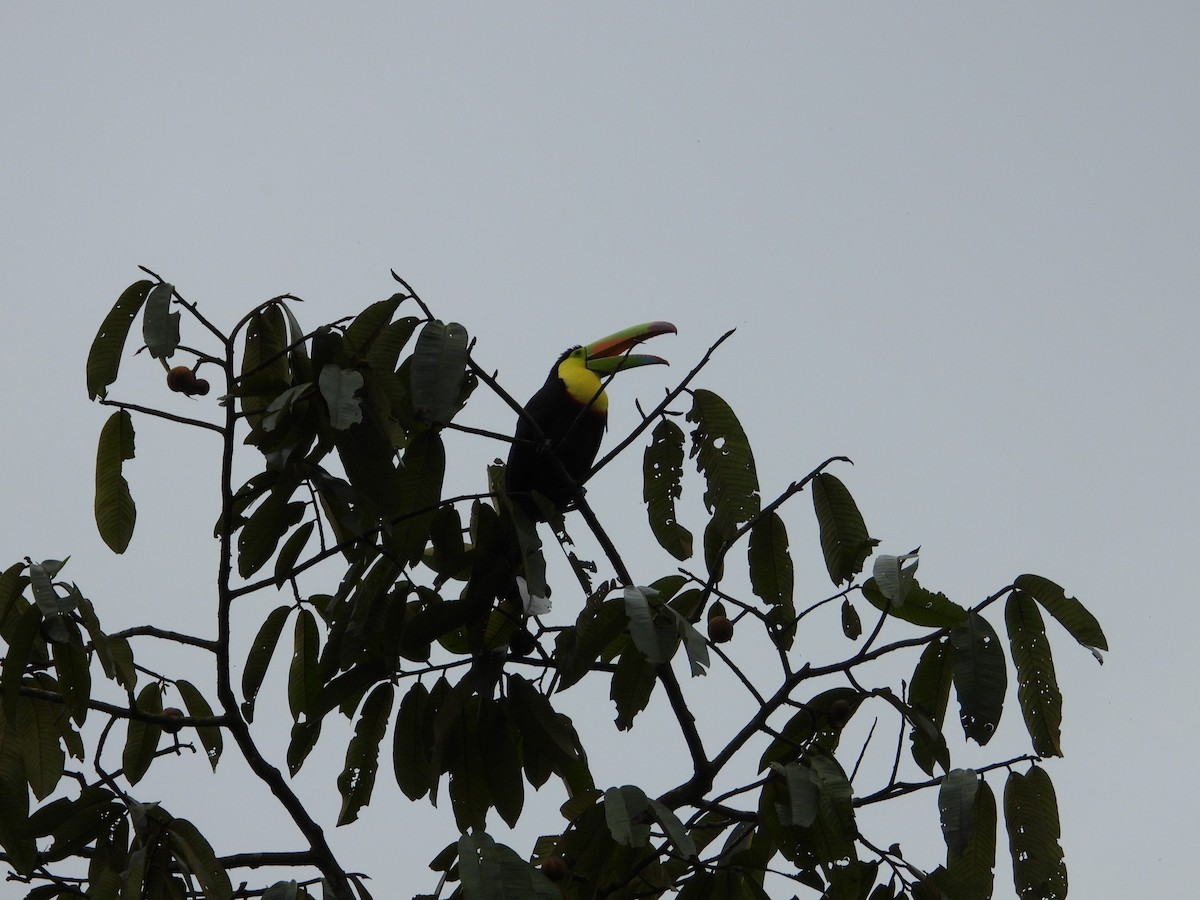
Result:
[15,837]
[771,574]
[141,739]
[893,576]
[641,625]
[285,562]
[369,325]
[304,677]
[970,869]
[266,527]
[1037,686]
[259,657]
[74,675]
[160,326]
[104,358]
[980,677]
[357,779]
[412,743]
[339,388]
[662,485]
[929,695]
[438,371]
[1031,814]
[921,607]
[501,760]
[198,708]
[723,455]
[1069,612]
[851,623]
[956,805]
[114,508]
[845,542]
[265,371]
[191,847]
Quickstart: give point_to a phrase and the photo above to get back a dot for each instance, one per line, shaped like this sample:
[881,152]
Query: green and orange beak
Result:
[611,354]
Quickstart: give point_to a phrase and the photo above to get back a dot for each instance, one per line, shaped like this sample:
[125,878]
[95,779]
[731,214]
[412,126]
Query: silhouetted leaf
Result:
[623,811]
[266,527]
[141,739]
[662,476]
[980,677]
[160,326]
[1037,686]
[304,681]
[502,761]
[723,455]
[438,370]
[412,743]
[198,708]
[851,623]
[115,509]
[369,325]
[357,780]
[921,607]
[929,694]
[1069,612]
[265,371]
[641,625]
[104,358]
[1031,814]
[956,804]
[71,665]
[285,562]
[811,726]
[844,539]
[771,575]
[970,868]
[259,657]
[193,849]
[15,837]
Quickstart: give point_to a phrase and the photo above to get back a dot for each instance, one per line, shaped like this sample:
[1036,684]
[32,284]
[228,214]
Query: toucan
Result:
[559,433]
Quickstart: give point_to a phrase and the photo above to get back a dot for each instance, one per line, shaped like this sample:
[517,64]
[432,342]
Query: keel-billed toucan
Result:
[559,435]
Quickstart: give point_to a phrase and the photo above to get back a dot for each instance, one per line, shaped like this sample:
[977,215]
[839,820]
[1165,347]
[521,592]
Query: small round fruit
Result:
[720,629]
[181,380]
[555,868]
[201,387]
[522,643]
[174,713]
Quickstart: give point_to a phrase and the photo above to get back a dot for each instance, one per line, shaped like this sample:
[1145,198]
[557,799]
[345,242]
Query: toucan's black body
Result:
[554,456]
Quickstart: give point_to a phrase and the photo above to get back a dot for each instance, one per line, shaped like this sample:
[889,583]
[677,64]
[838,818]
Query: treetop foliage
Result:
[415,610]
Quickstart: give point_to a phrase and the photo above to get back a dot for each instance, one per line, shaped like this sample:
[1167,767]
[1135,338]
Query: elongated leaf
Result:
[357,780]
[340,387]
[537,721]
[1069,612]
[893,575]
[24,643]
[285,562]
[980,677]
[956,805]
[74,675]
[104,358]
[412,744]
[469,796]
[1037,686]
[971,868]
[502,761]
[189,845]
[114,507]
[369,325]
[817,724]
[141,740]
[662,485]
[1031,814]
[160,326]
[265,371]
[685,846]
[804,794]
[641,625]
[723,455]
[15,838]
[771,574]
[623,808]
[438,370]
[419,484]
[304,676]
[929,694]
[198,708]
[259,657]
[845,542]
[266,527]
[921,607]
[851,623]
[42,754]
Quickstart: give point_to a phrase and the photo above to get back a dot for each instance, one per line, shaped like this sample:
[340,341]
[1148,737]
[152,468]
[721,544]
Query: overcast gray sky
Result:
[958,244]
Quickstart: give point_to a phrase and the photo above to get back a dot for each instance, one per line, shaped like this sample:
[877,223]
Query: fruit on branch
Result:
[555,868]
[720,629]
[839,712]
[173,712]
[201,388]
[183,380]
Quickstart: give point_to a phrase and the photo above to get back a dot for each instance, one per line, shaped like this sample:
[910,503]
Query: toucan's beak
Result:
[611,354]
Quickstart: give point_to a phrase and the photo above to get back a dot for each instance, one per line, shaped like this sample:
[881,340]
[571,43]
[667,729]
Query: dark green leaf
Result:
[304,738]
[851,623]
[115,509]
[42,754]
[369,325]
[921,607]
[265,370]
[501,761]
[198,708]
[160,326]
[74,675]
[265,528]
[141,740]
[1031,814]
[260,655]
[190,846]
[956,804]
[641,625]
[15,837]
[1069,612]
[285,562]
[971,869]
[438,369]
[845,542]
[818,723]
[723,455]
[929,695]
[623,810]
[357,780]
[771,574]
[23,644]
[304,677]
[980,677]
[662,476]
[1037,686]
[463,754]
[104,358]
[632,684]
